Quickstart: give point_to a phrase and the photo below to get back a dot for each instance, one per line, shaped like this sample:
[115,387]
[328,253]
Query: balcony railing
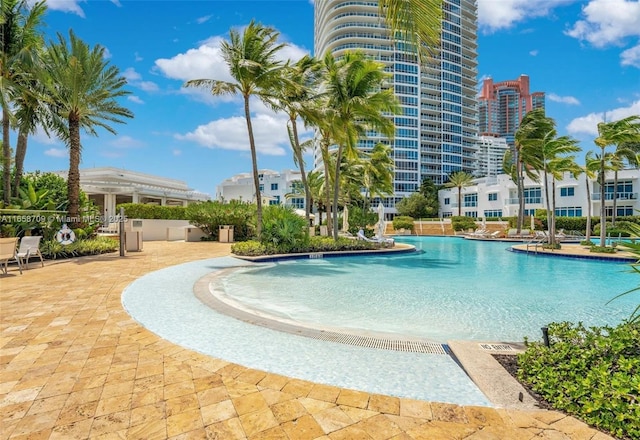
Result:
[620,196]
[527,201]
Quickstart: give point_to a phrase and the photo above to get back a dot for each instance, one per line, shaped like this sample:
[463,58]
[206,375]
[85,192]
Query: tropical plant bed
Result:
[53,250]
[510,363]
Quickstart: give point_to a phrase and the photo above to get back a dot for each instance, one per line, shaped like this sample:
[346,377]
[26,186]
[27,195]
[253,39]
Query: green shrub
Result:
[462,223]
[146,211]
[554,246]
[53,250]
[602,249]
[209,216]
[593,374]
[403,222]
[313,244]
[620,230]
[587,243]
[283,229]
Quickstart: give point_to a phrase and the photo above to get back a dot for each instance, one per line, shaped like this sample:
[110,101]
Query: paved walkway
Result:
[74,365]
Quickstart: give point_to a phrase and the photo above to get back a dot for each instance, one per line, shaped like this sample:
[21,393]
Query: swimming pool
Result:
[451,289]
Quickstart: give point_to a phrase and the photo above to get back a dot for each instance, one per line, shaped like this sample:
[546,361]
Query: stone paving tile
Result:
[74,365]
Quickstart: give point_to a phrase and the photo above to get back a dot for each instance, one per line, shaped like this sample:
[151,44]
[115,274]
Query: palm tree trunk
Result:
[460,201]
[588,231]
[327,184]
[519,172]
[73,178]
[553,208]
[6,157]
[615,197]
[254,164]
[21,151]
[550,225]
[303,173]
[603,217]
[336,191]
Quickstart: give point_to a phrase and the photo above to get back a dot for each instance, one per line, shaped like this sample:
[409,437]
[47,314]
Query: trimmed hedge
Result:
[253,248]
[53,250]
[144,211]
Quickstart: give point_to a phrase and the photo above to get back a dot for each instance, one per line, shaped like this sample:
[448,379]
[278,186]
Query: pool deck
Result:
[75,365]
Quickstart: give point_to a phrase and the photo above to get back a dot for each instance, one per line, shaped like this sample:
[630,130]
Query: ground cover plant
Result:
[53,250]
[590,373]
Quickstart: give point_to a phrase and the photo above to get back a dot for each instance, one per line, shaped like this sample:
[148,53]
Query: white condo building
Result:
[436,133]
[497,196]
[490,155]
[274,186]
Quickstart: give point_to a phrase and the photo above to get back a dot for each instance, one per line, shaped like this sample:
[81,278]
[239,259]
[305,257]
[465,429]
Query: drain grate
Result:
[384,344]
[496,347]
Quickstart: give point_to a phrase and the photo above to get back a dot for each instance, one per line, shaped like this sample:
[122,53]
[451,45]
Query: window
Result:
[275,201]
[473,214]
[493,213]
[492,197]
[569,212]
[567,192]
[261,187]
[274,187]
[532,195]
[471,200]
[447,201]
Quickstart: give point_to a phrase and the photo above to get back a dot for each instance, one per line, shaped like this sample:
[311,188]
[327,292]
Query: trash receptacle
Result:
[133,241]
[225,234]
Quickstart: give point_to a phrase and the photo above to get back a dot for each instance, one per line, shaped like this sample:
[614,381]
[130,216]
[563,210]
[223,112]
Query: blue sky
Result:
[585,55]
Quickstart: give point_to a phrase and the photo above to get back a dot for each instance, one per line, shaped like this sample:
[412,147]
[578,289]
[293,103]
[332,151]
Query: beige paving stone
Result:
[327,393]
[207,382]
[288,410]
[218,412]
[482,416]
[298,388]
[251,376]
[148,413]
[314,406]
[303,428]
[380,427]
[154,430]
[48,404]
[445,412]
[181,404]
[275,433]
[213,395]
[384,404]
[33,424]
[332,419]
[230,429]
[416,408]
[178,389]
[273,381]
[357,414]
[237,389]
[249,403]
[353,398]
[258,421]
[442,430]
[113,405]
[184,422]
[75,413]
[147,397]
[353,432]
[74,431]
[274,396]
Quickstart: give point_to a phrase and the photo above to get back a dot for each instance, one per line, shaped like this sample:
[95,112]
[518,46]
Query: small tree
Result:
[414,206]
[459,179]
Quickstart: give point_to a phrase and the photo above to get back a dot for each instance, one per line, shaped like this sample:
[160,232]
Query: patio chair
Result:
[8,247]
[29,247]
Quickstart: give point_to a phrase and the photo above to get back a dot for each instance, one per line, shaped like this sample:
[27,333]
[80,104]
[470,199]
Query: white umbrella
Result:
[381,226]
[533,224]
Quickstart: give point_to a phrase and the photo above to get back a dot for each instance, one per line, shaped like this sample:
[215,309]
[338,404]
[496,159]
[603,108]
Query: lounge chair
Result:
[29,247]
[8,251]
[375,239]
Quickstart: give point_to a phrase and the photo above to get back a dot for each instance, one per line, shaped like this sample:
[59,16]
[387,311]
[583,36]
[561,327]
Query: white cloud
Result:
[66,6]
[206,62]
[135,79]
[608,22]
[534,53]
[126,142]
[135,99]
[56,152]
[106,54]
[117,3]
[42,138]
[204,19]
[269,130]
[176,152]
[563,99]
[137,57]
[503,14]
[631,57]
[589,124]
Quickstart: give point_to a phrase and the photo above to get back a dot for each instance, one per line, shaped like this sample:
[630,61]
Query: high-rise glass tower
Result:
[437,129]
[502,106]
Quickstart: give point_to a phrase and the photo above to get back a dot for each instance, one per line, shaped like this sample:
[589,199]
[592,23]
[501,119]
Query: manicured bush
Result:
[209,216]
[250,248]
[593,374]
[283,229]
[602,249]
[462,223]
[53,250]
[254,248]
[145,211]
[403,222]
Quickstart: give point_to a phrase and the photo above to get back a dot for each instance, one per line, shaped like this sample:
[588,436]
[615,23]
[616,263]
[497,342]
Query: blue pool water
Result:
[452,289]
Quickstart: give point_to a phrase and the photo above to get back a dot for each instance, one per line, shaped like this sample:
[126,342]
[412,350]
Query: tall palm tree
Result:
[377,173]
[251,58]
[625,154]
[297,92]
[460,180]
[621,132]
[354,91]
[417,22]
[20,29]
[83,91]
[590,170]
[527,156]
